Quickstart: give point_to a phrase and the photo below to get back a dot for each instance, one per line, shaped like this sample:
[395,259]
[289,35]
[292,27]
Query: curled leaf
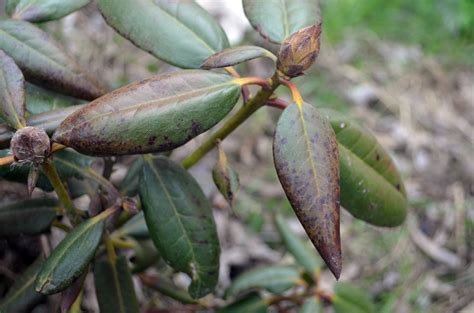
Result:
[234,56]
[225,177]
[158,114]
[307,163]
[12,92]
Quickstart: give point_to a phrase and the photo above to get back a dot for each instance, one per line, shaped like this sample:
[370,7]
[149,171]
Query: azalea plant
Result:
[323,159]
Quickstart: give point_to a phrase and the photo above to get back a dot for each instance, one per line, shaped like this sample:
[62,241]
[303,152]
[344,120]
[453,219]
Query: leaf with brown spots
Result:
[12,92]
[307,162]
[154,115]
[225,177]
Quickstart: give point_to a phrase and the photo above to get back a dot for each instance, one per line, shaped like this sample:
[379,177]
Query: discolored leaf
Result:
[311,305]
[30,217]
[276,20]
[233,56]
[183,34]
[371,187]
[275,279]
[42,11]
[71,257]
[72,294]
[351,299]
[114,286]
[251,303]
[12,92]
[22,295]
[303,255]
[40,100]
[158,114]
[307,164]
[43,62]
[180,222]
[225,177]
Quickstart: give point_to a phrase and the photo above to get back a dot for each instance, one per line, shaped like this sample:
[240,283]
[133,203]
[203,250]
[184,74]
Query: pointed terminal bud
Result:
[30,145]
[299,51]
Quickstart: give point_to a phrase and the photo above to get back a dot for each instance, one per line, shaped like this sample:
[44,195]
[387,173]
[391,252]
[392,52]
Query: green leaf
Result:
[180,222]
[275,279]
[43,61]
[135,227]
[351,299]
[145,255]
[42,11]
[158,114]
[233,56]
[71,257]
[12,92]
[251,303]
[371,187]
[30,217]
[307,163]
[40,100]
[167,288]
[305,256]
[22,295]
[276,20]
[178,32]
[129,185]
[311,305]
[114,286]
[226,178]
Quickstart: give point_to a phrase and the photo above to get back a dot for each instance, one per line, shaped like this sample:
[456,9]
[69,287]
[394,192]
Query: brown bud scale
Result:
[30,145]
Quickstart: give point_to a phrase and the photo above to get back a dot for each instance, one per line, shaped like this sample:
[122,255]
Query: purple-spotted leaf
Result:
[225,177]
[12,92]
[43,61]
[158,114]
[307,162]
[233,56]
[42,11]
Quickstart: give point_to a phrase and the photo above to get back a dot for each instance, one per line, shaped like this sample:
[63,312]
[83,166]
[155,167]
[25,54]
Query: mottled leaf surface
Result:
[251,303]
[43,62]
[311,305]
[180,221]
[30,217]
[225,177]
[351,299]
[71,257]
[307,163]
[302,253]
[42,10]
[158,114]
[40,100]
[114,286]
[276,20]
[12,92]
[22,295]
[233,56]
[178,32]
[275,279]
[371,187]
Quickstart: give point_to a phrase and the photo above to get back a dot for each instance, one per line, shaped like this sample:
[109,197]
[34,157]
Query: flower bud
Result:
[299,51]
[30,145]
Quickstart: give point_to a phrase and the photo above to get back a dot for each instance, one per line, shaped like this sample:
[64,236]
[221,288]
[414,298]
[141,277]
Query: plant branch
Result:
[233,122]
[277,103]
[295,93]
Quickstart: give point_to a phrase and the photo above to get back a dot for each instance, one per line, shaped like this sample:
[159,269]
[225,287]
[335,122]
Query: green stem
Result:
[50,171]
[233,122]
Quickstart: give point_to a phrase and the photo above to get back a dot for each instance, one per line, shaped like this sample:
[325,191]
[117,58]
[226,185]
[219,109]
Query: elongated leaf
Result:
[129,185]
[184,34]
[233,56]
[307,164]
[30,217]
[167,288]
[252,303]
[145,255]
[371,187]
[154,115]
[135,227]
[276,20]
[71,257]
[300,251]
[40,100]
[12,92]
[42,10]
[276,279]
[22,295]
[351,299]
[180,222]
[43,62]
[114,286]
[311,305]
[226,178]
